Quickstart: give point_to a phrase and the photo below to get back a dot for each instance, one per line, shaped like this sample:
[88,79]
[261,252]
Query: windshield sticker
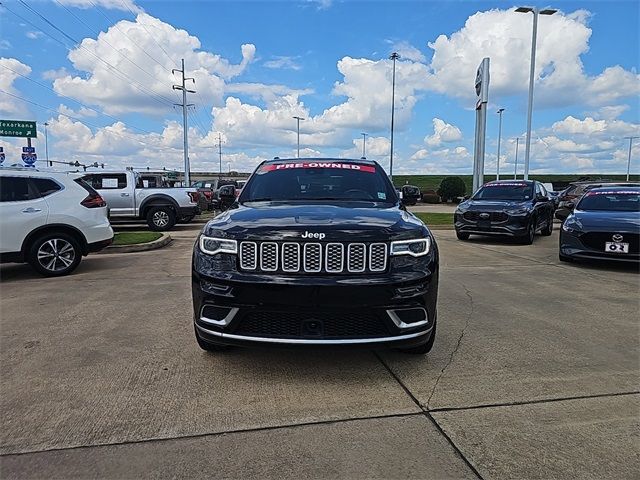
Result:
[382,195]
[614,192]
[514,184]
[343,166]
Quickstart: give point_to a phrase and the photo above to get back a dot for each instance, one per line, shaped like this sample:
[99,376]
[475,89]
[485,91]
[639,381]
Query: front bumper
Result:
[514,226]
[315,310]
[571,246]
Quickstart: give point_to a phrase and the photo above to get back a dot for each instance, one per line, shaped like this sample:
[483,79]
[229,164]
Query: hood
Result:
[340,223]
[493,205]
[608,221]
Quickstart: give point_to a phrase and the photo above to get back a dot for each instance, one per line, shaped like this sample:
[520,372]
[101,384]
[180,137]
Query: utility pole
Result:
[364,145]
[298,119]
[499,138]
[515,170]
[220,153]
[629,160]
[46,144]
[185,105]
[394,56]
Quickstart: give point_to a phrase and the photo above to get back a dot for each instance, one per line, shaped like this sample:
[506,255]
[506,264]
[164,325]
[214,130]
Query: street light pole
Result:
[220,154]
[629,160]
[394,56]
[515,170]
[364,145]
[298,119]
[536,11]
[46,144]
[499,138]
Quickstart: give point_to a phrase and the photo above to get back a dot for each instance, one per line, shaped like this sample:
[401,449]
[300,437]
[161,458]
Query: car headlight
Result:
[517,211]
[415,248]
[211,245]
[572,225]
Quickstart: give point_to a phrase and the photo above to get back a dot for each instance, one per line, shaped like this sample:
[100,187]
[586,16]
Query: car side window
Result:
[543,191]
[109,181]
[45,186]
[15,189]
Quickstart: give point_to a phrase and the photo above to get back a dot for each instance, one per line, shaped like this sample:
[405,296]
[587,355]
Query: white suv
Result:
[50,219]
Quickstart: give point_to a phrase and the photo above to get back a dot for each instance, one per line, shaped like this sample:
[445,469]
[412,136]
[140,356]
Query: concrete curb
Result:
[163,241]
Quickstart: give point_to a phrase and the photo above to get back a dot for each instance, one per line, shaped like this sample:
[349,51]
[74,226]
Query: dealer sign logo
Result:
[617,237]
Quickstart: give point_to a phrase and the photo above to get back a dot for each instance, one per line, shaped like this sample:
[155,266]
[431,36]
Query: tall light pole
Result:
[536,11]
[298,119]
[46,144]
[629,160]
[364,145]
[499,138]
[515,170]
[394,56]
[220,153]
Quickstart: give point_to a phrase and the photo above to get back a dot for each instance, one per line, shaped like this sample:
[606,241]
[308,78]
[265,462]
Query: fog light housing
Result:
[409,317]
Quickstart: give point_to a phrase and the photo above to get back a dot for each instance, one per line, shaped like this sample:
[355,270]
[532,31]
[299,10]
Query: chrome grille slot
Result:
[290,257]
[313,257]
[334,257]
[248,256]
[312,253]
[269,256]
[356,257]
[378,257]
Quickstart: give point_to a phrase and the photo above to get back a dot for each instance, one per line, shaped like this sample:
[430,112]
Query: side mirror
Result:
[227,192]
[570,205]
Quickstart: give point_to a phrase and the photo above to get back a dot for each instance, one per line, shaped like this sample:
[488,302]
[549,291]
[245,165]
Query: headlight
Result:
[572,224]
[517,211]
[415,248]
[212,245]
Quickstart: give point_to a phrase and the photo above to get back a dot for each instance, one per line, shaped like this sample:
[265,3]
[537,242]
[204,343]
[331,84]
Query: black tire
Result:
[462,235]
[208,346]
[527,239]
[548,230]
[426,347]
[54,254]
[161,218]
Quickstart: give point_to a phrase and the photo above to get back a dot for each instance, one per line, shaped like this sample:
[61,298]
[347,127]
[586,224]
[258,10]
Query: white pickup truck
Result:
[127,199]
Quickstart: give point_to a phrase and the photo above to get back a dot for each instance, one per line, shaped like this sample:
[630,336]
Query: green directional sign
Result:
[172,175]
[18,128]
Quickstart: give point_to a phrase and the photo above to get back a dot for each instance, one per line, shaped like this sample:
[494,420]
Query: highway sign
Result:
[28,149]
[18,128]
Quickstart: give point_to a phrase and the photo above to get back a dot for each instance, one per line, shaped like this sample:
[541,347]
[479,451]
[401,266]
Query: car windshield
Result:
[319,180]
[615,201]
[517,191]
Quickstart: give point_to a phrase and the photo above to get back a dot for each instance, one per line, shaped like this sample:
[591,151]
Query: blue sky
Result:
[258,64]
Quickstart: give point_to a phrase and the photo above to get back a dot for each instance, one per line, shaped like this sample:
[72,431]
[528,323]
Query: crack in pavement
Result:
[457,347]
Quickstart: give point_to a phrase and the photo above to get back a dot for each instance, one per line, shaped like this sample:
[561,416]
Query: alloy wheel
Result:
[160,218]
[56,255]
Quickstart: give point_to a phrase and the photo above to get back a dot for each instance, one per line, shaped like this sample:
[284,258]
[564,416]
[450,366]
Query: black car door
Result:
[542,205]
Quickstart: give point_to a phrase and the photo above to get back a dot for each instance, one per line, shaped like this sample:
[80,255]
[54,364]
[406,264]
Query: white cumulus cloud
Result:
[14,68]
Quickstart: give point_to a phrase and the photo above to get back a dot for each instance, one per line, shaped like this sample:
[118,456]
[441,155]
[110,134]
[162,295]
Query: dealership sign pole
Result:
[482,91]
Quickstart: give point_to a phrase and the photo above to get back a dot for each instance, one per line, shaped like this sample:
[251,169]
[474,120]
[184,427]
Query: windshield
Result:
[310,181]
[516,191]
[616,201]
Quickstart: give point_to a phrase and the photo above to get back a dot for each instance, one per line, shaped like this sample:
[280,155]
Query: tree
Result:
[451,188]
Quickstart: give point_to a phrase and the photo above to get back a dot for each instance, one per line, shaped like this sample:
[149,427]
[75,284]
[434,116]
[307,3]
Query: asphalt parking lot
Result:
[534,374]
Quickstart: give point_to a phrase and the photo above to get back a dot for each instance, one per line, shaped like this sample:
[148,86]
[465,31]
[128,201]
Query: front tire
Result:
[462,235]
[161,218]
[527,239]
[548,230]
[55,254]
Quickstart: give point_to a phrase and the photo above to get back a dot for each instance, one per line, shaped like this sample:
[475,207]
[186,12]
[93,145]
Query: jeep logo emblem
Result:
[319,236]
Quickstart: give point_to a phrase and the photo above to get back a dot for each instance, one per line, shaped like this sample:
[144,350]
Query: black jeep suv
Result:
[316,252]
[516,208]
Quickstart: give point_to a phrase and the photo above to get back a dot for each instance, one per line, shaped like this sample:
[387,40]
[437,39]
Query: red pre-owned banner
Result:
[345,166]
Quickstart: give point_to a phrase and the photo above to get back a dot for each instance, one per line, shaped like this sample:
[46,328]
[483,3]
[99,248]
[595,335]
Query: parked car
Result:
[517,208]
[50,220]
[162,208]
[604,225]
[410,194]
[316,253]
[571,195]
[554,197]
[209,188]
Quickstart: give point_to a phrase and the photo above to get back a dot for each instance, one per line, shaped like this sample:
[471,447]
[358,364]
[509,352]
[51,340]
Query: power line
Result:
[84,122]
[133,83]
[73,99]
